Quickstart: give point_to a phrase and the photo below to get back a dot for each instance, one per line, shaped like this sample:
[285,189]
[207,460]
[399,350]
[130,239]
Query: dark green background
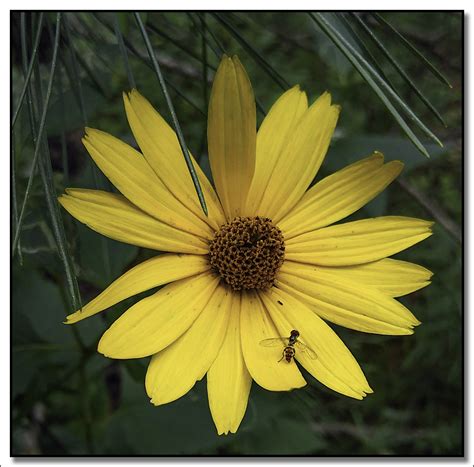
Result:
[69,400]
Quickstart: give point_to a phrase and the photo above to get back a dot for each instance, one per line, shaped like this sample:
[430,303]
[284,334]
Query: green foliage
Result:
[69,400]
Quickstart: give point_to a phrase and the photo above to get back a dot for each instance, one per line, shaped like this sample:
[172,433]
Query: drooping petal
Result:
[231,135]
[334,365]
[262,362]
[357,242]
[156,271]
[228,380]
[393,277]
[273,135]
[174,371]
[155,322]
[300,159]
[161,149]
[339,195]
[129,171]
[340,300]
[114,216]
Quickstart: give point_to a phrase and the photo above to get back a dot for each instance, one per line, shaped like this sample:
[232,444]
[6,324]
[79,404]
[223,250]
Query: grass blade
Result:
[30,69]
[384,85]
[343,46]
[45,164]
[174,118]
[123,51]
[252,52]
[363,46]
[412,48]
[397,66]
[366,70]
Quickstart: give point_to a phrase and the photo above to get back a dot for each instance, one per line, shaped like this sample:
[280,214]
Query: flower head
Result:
[251,286]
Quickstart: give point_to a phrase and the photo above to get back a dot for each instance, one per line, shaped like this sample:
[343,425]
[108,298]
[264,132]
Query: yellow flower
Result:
[264,262]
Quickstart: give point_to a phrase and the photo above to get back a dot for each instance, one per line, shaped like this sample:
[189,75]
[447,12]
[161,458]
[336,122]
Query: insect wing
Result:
[306,350]
[274,342]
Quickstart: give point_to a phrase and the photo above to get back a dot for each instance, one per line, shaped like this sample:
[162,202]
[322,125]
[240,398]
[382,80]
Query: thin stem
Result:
[64,155]
[76,83]
[38,139]
[14,199]
[174,118]
[35,97]
[30,69]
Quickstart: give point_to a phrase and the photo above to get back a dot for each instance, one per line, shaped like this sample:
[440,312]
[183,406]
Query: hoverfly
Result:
[291,344]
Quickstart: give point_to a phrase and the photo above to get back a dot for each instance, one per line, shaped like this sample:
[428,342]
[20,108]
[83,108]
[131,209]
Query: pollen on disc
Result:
[247,252]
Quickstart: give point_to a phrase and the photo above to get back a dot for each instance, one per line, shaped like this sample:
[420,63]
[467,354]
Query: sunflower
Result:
[264,261]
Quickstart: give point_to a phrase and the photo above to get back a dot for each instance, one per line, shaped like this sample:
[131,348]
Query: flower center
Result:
[247,252]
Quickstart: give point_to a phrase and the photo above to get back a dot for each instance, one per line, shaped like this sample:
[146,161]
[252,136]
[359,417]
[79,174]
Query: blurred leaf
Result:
[349,149]
[183,427]
[72,118]
[124,19]
[93,268]
[39,338]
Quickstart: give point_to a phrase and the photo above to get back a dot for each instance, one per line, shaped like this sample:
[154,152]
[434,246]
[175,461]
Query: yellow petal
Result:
[339,195]
[273,135]
[300,159]
[393,277]
[231,135]
[114,216]
[155,322]
[335,366]
[128,170]
[262,362]
[174,371]
[357,242]
[228,380]
[151,273]
[338,299]
[161,149]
